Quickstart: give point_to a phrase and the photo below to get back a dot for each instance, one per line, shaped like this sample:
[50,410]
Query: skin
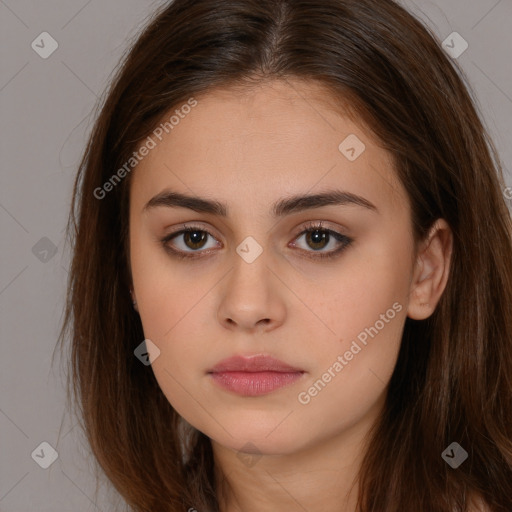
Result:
[249,149]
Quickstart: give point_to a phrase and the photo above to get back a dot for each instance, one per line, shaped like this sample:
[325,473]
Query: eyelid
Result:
[320,225]
[188,226]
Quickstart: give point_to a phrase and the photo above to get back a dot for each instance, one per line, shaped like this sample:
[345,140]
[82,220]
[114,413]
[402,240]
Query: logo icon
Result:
[44,45]
[45,455]
[44,250]
[249,249]
[249,459]
[454,455]
[455,45]
[352,147]
[147,352]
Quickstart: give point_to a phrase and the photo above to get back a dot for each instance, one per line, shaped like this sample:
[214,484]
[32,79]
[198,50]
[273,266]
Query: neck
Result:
[323,475]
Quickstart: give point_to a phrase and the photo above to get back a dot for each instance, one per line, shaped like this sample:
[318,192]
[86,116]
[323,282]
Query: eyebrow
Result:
[285,206]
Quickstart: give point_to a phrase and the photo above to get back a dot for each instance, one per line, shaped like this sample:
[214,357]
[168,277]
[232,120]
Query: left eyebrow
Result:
[282,207]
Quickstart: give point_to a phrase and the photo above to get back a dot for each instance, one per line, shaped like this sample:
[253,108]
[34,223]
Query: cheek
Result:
[176,313]
[365,286]
[177,319]
[351,373]
[166,292]
[366,309]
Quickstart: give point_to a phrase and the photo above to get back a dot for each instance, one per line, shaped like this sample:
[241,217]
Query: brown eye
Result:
[188,241]
[317,238]
[195,239]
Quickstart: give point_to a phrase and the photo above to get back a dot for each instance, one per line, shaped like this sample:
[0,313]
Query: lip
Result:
[257,363]
[255,375]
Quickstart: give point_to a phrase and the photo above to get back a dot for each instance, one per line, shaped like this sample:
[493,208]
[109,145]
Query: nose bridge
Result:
[250,267]
[251,293]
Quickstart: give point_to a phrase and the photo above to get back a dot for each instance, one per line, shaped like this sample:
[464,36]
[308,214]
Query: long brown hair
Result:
[453,377]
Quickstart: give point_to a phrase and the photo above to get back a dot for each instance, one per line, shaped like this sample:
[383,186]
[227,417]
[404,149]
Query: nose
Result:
[252,297]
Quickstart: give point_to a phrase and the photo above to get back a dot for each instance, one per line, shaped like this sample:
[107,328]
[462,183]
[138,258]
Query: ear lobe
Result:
[134,301]
[431,271]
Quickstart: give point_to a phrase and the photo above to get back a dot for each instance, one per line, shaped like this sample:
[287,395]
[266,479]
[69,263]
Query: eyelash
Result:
[310,227]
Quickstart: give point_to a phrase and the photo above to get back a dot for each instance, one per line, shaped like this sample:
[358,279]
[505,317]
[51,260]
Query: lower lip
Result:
[255,383]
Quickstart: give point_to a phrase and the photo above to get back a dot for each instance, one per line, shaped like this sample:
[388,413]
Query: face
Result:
[320,285]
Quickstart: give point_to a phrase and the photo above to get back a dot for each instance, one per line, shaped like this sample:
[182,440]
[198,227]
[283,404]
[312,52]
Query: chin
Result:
[261,440]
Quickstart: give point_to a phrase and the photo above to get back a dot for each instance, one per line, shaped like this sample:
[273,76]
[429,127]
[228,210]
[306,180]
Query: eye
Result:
[194,240]
[192,237]
[318,237]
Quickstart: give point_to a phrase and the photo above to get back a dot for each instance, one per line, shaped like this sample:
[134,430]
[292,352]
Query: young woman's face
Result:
[251,281]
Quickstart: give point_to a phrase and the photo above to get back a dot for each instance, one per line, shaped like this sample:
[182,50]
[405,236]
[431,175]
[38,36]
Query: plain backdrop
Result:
[46,113]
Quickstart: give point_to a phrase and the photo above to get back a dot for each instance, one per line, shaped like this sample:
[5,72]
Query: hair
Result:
[453,377]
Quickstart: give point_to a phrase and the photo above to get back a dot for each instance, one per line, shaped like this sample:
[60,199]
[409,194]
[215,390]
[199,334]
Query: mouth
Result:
[254,376]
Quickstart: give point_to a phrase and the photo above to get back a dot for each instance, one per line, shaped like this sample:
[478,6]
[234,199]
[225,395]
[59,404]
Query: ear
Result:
[431,271]
[134,300]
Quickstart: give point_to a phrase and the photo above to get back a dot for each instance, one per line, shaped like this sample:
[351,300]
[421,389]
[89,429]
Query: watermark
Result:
[147,352]
[45,455]
[304,397]
[249,454]
[44,45]
[455,45]
[352,147]
[249,249]
[149,144]
[508,193]
[44,250]
[454,455]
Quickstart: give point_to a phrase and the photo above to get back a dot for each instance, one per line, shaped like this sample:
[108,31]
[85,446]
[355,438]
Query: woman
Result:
[291,285]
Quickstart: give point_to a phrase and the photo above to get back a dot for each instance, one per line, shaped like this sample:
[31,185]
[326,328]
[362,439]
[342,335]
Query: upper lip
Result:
[258,363]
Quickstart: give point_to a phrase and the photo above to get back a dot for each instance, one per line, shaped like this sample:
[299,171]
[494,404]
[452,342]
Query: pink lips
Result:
[254,376]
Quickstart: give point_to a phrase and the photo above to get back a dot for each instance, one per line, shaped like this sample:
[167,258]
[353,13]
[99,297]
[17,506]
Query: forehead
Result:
[259,143]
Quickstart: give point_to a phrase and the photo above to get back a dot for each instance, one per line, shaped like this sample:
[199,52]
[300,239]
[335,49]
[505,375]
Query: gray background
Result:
[46,113]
